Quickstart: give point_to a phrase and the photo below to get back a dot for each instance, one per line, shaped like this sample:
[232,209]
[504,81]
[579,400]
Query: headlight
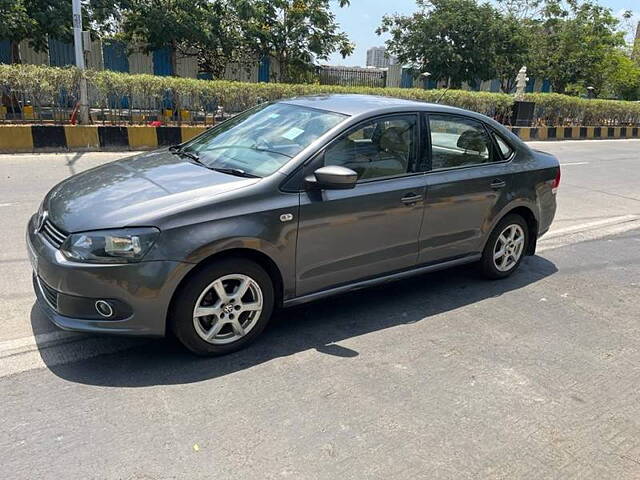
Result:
[110,246]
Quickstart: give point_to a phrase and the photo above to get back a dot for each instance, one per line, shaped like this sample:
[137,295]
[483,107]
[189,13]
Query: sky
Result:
[362,17]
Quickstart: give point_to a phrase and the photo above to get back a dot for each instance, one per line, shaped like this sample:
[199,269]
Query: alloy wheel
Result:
[227,309]
[508,248]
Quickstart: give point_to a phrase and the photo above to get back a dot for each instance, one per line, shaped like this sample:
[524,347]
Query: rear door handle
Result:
[411,198]
[497,184]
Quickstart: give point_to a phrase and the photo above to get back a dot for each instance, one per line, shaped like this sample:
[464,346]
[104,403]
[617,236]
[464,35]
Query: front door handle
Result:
[411,198]
[497,184]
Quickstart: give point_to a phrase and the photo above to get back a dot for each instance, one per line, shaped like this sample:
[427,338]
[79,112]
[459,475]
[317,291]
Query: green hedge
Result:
[42,86]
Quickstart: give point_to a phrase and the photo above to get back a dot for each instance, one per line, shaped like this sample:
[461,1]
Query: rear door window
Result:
[458,142]
[505,149]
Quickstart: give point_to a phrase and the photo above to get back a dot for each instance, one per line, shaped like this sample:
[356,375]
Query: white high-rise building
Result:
[379,58]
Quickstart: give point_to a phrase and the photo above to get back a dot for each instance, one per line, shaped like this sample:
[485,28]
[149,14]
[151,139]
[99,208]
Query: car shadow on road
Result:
[319,325]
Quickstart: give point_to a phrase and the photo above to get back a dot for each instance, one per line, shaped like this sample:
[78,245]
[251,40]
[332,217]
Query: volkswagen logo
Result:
[40,222]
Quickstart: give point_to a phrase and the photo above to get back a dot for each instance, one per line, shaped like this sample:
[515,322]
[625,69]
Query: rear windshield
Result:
[264,138]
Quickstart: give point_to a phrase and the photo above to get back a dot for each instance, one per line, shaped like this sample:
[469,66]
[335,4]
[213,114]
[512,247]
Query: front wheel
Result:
[505,248]
[223,307]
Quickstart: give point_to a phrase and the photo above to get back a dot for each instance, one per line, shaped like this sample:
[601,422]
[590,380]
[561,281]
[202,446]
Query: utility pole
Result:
[79,50]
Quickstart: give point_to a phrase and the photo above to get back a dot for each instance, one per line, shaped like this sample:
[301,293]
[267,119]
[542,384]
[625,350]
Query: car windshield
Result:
[261,140]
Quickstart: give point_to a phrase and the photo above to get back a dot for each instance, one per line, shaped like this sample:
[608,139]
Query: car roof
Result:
[356,104]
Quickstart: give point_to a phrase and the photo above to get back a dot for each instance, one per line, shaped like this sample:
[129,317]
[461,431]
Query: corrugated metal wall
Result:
[30,56]
[94,57]
[115,56]
[406,78]
[394,73]
[162,62]
[242,72]
[61,54]
[140,62]
[187,66]
[5,51]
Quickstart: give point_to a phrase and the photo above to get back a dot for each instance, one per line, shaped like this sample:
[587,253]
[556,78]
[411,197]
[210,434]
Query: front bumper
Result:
[140,291]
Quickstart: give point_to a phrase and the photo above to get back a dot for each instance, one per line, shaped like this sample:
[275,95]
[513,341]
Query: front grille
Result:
[53,234]
[49,294]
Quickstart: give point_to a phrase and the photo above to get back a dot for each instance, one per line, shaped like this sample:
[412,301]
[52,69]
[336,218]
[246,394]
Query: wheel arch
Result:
[261,258]
[529,216]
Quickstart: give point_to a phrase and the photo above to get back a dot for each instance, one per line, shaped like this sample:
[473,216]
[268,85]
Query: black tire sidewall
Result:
[487,264]
[181,315]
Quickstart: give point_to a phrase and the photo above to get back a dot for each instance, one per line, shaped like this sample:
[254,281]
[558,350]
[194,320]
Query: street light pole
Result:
[79,50]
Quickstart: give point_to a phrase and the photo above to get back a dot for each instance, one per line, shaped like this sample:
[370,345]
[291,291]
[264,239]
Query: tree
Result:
[622,77]
[34,20]
[295,32]
[512,37]
[454,40]
[15,26]
[207,29]
[572,43]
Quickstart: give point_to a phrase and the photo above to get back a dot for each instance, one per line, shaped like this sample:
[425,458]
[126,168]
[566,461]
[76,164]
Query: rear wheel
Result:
[505,248]
[223,307]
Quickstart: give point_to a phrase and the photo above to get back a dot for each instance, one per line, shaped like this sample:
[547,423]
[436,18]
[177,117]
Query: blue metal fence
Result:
[61,54]
[546,86]
[115,57]
[5,51]
[162,62]
[406,79]
[263,69]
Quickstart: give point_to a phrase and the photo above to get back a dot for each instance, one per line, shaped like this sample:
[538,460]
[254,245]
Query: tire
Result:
[494,268]
[216,291]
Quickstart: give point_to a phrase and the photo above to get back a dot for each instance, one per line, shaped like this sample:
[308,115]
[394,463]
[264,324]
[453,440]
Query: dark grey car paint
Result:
[337,239]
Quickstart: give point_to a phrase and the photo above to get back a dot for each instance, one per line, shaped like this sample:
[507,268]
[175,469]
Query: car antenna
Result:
[443,94]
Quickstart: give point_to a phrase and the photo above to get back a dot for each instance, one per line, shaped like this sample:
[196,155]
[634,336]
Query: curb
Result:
[54,138]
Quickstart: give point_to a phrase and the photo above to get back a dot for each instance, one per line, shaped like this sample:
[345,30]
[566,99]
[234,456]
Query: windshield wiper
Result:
[260,149]
[235,171]
[175,149]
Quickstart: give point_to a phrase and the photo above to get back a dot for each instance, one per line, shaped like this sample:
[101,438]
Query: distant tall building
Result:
[636,44]
[379,58]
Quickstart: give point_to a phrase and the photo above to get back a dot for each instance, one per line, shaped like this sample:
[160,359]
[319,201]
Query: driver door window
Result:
[385,147]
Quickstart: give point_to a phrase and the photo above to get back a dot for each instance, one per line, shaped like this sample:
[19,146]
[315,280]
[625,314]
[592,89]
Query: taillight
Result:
[556,182]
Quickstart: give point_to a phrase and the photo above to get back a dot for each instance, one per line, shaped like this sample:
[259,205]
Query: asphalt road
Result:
[441,376]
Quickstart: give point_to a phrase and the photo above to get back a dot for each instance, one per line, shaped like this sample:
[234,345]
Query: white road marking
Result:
[59,347]
[574,163]
[6,204]
[582,235]
[590,225]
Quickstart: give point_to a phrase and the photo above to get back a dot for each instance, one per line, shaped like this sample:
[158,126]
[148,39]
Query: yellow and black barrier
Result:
[575,133]
[43,138]
[55,138]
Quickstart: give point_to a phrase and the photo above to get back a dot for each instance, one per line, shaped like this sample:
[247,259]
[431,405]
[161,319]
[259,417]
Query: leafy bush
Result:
[43,86]
[556,109]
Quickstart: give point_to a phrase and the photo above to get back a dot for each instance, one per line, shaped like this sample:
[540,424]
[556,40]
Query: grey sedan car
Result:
[288,202]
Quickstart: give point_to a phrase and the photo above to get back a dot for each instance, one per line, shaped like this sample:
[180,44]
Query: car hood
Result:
[135,191]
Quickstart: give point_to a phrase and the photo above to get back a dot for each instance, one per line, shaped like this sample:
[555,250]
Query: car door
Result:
[372,229]
[467,180]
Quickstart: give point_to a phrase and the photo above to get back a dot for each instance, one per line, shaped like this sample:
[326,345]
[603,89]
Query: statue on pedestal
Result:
[521,84]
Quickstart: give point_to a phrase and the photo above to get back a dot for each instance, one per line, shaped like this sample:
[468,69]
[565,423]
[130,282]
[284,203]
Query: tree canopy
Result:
[574,43]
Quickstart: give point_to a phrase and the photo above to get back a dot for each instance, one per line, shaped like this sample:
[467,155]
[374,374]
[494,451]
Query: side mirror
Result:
[332,177]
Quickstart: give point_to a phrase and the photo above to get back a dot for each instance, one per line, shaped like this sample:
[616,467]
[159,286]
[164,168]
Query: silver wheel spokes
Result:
[227,309]
[508,248]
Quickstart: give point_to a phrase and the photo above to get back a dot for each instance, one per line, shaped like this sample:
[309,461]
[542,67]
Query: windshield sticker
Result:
[292,133]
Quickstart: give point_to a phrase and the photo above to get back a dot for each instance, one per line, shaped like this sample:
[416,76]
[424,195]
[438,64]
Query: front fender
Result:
[262,232]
